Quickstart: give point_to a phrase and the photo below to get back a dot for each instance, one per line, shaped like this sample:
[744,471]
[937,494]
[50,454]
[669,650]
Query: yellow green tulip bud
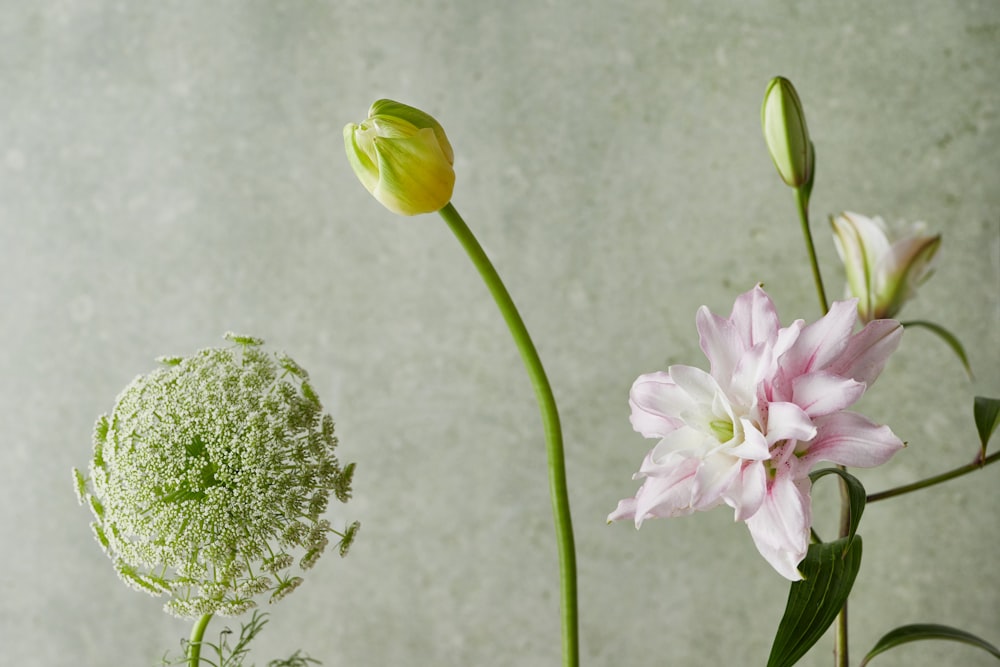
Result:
[402,156]
[786,134]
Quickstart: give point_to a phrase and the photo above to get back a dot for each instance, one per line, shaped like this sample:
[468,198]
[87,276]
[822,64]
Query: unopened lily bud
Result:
[402,156]
[786,134]
[884,266]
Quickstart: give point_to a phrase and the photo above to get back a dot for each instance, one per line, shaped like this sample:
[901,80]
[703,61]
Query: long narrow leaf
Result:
[918,631]
[986,412]
[829,569]
[948,337]
[855,493]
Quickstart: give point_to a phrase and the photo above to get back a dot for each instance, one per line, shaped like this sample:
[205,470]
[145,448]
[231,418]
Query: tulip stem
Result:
[802,202]
[194,644]
[936,479]
[550,420]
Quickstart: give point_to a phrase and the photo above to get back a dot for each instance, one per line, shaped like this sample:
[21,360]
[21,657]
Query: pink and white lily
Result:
[747,433]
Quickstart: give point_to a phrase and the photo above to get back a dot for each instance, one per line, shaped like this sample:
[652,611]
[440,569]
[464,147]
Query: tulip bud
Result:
[883,267]
[786,134]
[402,156]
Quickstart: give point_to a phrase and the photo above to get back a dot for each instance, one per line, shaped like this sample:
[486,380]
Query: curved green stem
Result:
[936,479]
[550,420]
[802,203]
[194,645]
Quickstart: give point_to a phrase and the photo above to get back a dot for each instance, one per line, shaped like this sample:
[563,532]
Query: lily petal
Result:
[715,474]
[848,439]
[755,445]
[754,317]
[667,496]
[656,403]
[821,342]
[747,491]
[719,342]
[825,393]
[867,351]
[787,421]
[780,528]
[684,442]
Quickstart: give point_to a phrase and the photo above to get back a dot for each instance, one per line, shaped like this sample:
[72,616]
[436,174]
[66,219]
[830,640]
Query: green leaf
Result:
[948,337]
[918,631]
[813,603]
[986,412]
[855,493]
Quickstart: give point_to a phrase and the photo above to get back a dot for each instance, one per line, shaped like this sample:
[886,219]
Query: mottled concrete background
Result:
[173,170]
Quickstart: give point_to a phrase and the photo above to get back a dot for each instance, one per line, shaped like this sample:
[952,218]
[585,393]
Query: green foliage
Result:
[830,569]
[828,572]
[855,494]
[918,631]
[986,412]
[225,654]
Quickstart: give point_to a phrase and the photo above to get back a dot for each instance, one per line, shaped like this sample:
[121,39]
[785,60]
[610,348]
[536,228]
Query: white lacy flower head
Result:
[747,433]
[884,264]
[210,476]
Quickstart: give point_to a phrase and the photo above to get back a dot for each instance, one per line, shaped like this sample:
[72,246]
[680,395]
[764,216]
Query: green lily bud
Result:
[786,134]
[403,157]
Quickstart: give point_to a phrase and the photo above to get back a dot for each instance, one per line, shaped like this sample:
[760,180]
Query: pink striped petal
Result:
[667,496]
[747,491]
[719,342]
[656,404]
[754,317]
[824,393]
[868,350]
[848,439]
[625,510]
[821,342]
[714,476]
[780,528]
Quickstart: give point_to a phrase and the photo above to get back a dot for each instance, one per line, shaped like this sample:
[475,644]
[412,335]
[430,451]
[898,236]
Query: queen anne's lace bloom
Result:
[209,478]
[747,433]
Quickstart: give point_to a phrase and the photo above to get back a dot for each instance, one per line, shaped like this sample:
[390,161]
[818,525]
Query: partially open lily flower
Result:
[884,266]
[747,433]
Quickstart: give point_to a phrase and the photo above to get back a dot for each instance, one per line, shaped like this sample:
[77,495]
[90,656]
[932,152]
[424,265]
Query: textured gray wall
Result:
[173,170]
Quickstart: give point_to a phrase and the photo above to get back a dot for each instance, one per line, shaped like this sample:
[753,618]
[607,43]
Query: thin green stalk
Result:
[802,202]
[550,420]
[194,645]
[936,479]
[840,651]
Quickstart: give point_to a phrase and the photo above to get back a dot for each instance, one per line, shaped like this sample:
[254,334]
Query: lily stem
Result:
[194,645]
[550,420]
[936,479]
[802,203]
[840,651]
